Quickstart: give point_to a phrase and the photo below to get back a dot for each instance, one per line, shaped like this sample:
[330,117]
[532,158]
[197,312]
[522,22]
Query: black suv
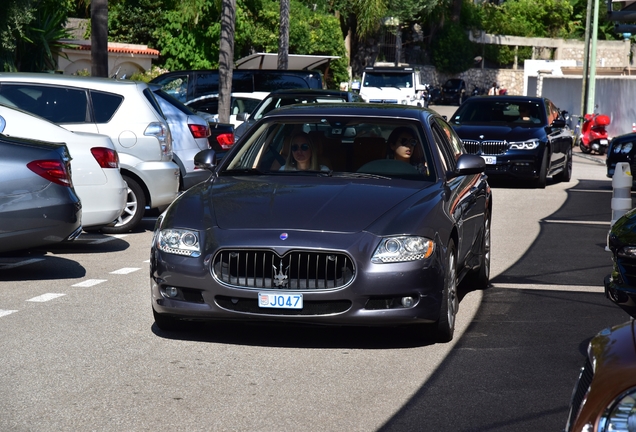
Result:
[453,91]
[518,136]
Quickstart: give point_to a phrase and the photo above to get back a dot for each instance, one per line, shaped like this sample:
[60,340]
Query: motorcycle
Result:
[593,137]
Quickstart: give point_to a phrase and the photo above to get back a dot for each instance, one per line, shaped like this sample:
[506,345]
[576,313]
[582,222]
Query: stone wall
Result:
[510,79]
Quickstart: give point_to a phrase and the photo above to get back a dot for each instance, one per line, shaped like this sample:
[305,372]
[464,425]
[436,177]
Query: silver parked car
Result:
[38,205]
[190,134]
[126,111]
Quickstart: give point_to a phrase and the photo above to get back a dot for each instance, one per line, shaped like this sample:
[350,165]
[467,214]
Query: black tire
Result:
[543,171]
[566,175]
[445,326]
[133,212]
[583,148]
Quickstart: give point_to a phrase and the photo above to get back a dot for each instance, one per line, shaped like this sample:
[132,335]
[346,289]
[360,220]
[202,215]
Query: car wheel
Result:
[583,148]
[445,325]
[543,171]
[480,278]
[566,175]
[133,212]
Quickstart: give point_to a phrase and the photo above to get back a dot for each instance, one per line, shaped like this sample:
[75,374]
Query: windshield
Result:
[479,111]
[388,79]
[360,147]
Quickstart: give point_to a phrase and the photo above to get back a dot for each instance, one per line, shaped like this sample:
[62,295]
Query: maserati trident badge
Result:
[280,278]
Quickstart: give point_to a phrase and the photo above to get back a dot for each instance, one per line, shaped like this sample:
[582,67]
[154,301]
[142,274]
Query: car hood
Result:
[302,203]
[505,132]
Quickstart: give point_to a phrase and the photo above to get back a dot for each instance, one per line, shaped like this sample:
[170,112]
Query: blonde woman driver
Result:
[302,155]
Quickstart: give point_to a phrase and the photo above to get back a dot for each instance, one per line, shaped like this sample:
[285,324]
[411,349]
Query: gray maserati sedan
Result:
[344,214]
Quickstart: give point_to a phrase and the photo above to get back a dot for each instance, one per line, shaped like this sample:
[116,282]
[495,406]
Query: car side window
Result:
[175,86]
[105,105]
[443,144]
[54,103]
[455,142]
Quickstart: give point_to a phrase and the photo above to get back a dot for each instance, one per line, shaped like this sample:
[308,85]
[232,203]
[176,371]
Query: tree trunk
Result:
[226,59]
[457,10]
[99,38]
[283,37]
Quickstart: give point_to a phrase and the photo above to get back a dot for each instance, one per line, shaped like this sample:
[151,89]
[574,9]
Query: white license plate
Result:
[603,141]
[490,160]
[280,301]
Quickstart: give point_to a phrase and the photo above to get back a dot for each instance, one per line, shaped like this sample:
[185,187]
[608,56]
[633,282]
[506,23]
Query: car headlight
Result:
[525,145]
[627,251]
[179,242]
[402,248]
[620,416]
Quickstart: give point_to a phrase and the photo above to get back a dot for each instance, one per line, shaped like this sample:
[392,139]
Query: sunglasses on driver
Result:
[303,147]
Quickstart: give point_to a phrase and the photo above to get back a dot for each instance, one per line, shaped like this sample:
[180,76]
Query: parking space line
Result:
[45,297]
[125,270]
[89,283]
[575,288]
[5,312]
[576,222]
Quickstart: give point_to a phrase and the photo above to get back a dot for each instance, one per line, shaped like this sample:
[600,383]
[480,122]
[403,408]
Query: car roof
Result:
[352,109]
[506,98]
[68,80]
[309,92]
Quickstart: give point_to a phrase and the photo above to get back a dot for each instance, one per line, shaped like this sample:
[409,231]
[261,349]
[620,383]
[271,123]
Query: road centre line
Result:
[571,288]
[45,297]
[575,222]
[125,270]
[5,312]
[89,283]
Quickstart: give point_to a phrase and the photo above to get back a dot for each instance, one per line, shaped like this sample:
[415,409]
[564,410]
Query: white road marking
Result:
[45,297]
[588,190]
[574,288]
[4,312]
[576,222]
[125,270]
[19,263]
[89,283]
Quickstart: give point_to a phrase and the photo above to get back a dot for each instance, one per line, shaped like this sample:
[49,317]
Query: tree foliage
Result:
[452,50]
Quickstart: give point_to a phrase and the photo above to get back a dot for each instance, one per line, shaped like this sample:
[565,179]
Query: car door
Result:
[469,192]
[559,137]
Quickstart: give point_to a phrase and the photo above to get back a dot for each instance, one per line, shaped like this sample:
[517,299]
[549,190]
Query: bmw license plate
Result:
[280,301]
[490,160]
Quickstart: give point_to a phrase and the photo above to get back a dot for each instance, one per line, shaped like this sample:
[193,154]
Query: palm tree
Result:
[99,38]
[226,58]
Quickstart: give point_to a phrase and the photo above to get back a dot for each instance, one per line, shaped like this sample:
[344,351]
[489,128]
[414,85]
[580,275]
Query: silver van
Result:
[126,111]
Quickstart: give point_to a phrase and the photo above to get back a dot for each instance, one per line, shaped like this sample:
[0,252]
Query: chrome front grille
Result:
[580,392]
[491,148]
[296,270]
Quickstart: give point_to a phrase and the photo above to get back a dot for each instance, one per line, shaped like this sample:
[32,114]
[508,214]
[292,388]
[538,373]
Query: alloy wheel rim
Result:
[129,210]
[451,288]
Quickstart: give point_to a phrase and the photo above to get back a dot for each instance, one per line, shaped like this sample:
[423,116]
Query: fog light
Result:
[408,301]
[172,291]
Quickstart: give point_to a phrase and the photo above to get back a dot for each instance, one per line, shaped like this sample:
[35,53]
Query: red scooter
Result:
[593,136]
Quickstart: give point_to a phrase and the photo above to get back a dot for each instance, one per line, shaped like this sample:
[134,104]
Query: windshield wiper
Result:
[361,175]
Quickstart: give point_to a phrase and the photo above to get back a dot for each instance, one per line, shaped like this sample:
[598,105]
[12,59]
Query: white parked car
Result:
[190,134]
[241,103]
[126,111]
[94,164]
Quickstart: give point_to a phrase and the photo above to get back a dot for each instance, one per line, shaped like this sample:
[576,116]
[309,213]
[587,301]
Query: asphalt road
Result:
[79,350]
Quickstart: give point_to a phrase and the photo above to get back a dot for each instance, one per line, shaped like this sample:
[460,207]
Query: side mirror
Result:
[242,116]
[205,159]
[467,164]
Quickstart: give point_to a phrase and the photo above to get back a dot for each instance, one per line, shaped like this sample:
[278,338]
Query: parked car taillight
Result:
[226,140]
[52,170]
[199,131]
[162,133]
[105,157]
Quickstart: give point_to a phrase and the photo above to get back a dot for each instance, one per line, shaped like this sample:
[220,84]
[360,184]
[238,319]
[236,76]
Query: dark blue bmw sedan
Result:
[346,214]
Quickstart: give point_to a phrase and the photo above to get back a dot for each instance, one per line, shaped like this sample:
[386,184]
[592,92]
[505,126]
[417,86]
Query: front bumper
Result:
[526,167]
[372,297]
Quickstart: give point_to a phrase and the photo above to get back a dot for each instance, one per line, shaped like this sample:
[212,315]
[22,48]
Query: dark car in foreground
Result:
[621,148]
[519,137]
[604,397]
[38,205]
[361,239]
[279,98]
[620,284]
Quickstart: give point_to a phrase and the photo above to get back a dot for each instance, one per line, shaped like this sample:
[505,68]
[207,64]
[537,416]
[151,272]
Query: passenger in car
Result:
[403,146]
[302,155]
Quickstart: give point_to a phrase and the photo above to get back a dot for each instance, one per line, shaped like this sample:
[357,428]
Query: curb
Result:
[590,158]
